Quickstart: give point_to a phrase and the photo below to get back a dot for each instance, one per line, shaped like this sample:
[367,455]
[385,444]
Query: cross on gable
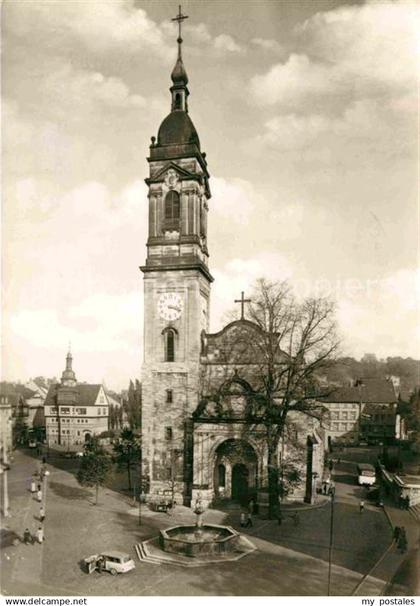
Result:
[242,301]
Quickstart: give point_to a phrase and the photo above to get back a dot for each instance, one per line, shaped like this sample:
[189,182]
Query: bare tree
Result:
[282,347]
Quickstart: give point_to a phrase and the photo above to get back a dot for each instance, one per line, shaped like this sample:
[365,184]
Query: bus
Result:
[366,475]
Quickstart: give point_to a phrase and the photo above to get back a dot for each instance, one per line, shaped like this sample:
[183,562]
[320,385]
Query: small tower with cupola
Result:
[176,292]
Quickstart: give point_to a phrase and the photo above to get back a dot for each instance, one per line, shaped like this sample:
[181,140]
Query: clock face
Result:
[170,306]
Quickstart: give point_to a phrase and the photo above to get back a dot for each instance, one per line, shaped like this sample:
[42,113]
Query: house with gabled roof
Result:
[74,412]
[365,411]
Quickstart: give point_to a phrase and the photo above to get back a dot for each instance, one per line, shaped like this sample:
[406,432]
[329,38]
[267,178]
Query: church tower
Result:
[176,292]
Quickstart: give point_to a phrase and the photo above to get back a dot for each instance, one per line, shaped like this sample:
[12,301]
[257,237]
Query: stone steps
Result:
[415,511]
[143,556]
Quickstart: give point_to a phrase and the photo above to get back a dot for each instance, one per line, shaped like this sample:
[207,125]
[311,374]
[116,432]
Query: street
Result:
[290,559]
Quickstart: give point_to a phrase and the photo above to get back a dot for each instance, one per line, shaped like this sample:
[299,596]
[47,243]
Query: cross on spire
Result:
[180,18]
[242,301]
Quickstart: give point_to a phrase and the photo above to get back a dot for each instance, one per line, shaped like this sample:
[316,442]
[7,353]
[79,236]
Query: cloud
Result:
[240,274]
[224,42]
[268,44]
[232,199]
[98,26]
[365,119]
[377,315]
[344,60]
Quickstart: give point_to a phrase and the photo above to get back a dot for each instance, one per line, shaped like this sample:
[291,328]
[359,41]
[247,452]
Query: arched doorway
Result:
[235,471]
[240,483]
[87,437]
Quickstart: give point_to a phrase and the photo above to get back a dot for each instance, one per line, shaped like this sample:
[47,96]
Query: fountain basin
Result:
[196,541]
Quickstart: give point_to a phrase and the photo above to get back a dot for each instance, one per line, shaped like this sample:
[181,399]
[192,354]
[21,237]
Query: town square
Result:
[210,377]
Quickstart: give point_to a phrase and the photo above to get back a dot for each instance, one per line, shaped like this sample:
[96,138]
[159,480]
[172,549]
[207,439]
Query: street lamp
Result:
[3,471]
[330,548]
[45,475]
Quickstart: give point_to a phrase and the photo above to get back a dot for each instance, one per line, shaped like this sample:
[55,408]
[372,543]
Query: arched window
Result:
[170,346]
[172,205]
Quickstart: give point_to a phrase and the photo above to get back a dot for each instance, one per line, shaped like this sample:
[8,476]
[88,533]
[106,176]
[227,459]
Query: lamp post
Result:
[3,470]
[45,475]
[330,548]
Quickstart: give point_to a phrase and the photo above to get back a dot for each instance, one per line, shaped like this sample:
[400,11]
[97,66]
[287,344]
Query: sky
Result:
[307,111]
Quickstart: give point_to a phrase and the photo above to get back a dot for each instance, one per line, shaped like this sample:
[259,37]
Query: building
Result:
[366,411]
[6,435]
[13,394]
[187,448]
[74,412]
[35,399]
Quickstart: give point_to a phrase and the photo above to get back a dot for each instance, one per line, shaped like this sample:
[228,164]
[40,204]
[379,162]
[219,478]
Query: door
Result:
[240,475]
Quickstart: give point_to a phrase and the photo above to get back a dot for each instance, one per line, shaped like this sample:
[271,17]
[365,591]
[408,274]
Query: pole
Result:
[331,542]
[5,462]
[140,486]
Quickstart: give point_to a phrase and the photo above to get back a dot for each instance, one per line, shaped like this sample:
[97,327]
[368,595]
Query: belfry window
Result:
[172,205]
[178,101]
[170,346]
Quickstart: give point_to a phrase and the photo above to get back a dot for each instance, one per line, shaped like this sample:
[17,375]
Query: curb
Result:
[368,574]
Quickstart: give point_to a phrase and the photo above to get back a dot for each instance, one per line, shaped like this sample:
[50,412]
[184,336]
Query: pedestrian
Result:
[249,520]
[407,502]
[27,537]
[39,495]
[40,535]
[39,484]
[396,533]
[279,518]
[331,490]
[252,506]
[402,540]
[361,506]
[33,486]
[42,514]
[243,519]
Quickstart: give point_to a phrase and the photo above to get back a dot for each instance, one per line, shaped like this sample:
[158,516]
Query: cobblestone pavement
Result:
[290,560]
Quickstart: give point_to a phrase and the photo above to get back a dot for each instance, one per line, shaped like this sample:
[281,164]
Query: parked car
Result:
[114,562]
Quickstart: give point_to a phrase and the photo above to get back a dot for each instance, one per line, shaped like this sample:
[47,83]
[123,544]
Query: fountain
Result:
[201,539]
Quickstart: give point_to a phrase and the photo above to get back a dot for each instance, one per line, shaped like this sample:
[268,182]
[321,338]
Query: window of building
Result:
[344,415]
[172,205]
[168,433]
[334,414]
[169,396]
[335,426]
[64,410]
[170,345]
[81,411]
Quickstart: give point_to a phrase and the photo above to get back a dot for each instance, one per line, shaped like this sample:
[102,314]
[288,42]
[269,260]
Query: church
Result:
[192,444]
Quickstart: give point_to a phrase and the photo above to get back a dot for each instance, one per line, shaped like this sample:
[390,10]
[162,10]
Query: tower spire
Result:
[179,76]
[179,18]
[68,377]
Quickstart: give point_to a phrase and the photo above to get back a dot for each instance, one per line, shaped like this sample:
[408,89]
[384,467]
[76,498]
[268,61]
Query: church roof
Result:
[177,129]
[86,393]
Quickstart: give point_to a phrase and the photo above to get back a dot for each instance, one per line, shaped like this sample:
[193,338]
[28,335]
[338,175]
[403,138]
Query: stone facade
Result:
[74,412]
[188,449]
